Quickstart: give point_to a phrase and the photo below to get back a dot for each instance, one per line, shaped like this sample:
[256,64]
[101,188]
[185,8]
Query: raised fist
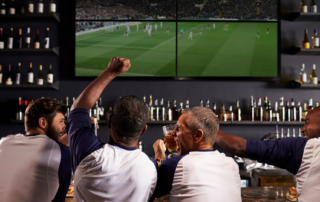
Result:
[118,65]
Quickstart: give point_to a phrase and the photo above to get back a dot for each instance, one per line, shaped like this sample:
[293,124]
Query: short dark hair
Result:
[129,117]
[46,108]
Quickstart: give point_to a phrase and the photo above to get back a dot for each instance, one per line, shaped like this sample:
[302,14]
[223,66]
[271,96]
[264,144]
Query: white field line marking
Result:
[81,44]
[96,70]
[89,37]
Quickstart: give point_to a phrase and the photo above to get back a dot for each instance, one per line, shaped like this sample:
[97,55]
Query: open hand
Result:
[118,65]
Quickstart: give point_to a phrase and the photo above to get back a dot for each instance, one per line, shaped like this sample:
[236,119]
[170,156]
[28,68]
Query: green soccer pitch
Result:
[236,52]
[149,56]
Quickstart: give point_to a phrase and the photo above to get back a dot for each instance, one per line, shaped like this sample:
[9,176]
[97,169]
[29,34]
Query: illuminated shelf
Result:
[36,17]
[54,86]
[30,52]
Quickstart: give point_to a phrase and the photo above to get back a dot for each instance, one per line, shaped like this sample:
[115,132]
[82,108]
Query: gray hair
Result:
[205,119]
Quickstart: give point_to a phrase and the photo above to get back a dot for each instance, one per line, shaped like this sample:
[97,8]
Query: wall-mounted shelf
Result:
[36,17]
[301,16]
[30,52]
[297,50]
[54,86]
[297,84]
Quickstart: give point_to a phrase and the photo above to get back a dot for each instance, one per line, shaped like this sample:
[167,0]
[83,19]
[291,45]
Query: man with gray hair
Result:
[198,173]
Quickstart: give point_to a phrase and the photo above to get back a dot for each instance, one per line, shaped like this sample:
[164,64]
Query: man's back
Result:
[32,168]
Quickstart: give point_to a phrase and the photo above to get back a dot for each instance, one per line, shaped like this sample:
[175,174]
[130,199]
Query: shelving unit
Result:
[54,86]
[297,84]
[30,52]
[36,17]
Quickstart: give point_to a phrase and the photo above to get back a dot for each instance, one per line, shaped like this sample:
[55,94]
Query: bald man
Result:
[298,155]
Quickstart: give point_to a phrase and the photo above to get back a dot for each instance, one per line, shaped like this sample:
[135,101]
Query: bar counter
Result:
[248,194]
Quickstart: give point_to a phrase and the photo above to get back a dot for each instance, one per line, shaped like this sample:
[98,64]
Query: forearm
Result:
[231,143]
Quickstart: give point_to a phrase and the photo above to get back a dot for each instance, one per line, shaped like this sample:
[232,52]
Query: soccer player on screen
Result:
[181,32]
[190,35]
[144,28]
[267,29]
[167,29]
[126,33]
[128,28]
[226,27]
[137,26]
[149,31]
[155,27]
[208,26]
[258,34]
[160,24]
[201,30]
[214,26]
[117,28]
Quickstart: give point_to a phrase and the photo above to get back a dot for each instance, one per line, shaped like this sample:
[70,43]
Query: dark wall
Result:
[226,92]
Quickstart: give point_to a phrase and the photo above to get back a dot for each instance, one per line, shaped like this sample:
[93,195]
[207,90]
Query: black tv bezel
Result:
[177,78]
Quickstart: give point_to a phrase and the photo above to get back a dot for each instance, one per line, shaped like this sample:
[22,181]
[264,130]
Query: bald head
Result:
[311,128]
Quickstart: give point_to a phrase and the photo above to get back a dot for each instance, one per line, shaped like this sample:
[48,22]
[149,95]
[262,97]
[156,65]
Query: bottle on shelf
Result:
[214,109]
[96,111]
[162,111]
[30,74]
[52,7]
[101,111]
[9,80]
[40,6]
[265,109]
[19,115]
[260,108]
[27,41]
[37,41]
[21,7]
[282,113]
[1,39]
[310,107]
[47,40]
[304,112]
[299,112]
[313,75]
[1,75]
[281,135]
[277,132]
[237,112]
[208,104]
[12,9]
[293,111]
[288,132]
[223,114]
[275,114]
[168,112]
[150,109]
[50,75]
[303,75]
[317,104]
[305,40]
[30,7]
[140,145]
[187,104]
[3,7]
[19,40]
[201,103]
[299,134]
[293,132]
[155,111]
[256,110]
[18,75]
[174,110]
[68,108]
[230,115]
[288,114]
[303,7]
[251,111]
[40,76]
[145,101]
[270,114]
[181,109]
[10,40]
[315,39]
[313,7]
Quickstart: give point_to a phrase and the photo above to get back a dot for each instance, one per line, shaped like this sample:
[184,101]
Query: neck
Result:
[203,147]
[116,141]
[36,131]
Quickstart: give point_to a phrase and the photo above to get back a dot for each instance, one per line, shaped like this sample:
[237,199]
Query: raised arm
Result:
[231,143]
[91,94]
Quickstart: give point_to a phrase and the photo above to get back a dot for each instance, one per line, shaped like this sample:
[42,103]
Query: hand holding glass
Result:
[169,139]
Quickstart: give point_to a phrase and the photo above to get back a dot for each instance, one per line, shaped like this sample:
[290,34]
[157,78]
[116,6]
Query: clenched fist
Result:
[118,65]
[159,150]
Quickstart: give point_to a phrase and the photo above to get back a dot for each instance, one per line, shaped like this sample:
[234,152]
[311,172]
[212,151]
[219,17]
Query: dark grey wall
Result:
[226,92]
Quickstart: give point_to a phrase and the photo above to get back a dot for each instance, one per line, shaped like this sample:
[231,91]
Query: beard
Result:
[53,133]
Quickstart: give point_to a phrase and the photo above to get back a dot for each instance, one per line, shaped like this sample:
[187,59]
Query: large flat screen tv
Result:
[211,39]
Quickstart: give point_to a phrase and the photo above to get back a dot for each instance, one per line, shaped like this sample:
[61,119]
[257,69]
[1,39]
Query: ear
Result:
[198,136]
[43,124]
[144,130]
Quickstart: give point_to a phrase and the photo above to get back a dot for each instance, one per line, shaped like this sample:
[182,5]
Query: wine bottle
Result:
[303,7]
[304,112]
[40,6]
[201,103]
[10,39]
[230,115]
[47,39]
[313,7]
[3,7]
[275,114]
[208,104]
[265,109]
[40,76]
[313,76]
[155,111]
[150,109]
[12,9]
[27,39]
[1,74]
[52,6]
[317,104]
[303,75]
[1,39]
[68,108]
[174,111]
[187,104]
[19,40]
[310,107]
[223,113]
[237,112]
[214,109]
[9,80]
[305,40]
[251,116]
[162,111]
[315,39]
[299,112]
[50,75]
[288,115]
[21,7]
[168,112]
[30,7]
[18,76]
[293,111]
[282,112]
[30,74]
[20,113]
[37,41]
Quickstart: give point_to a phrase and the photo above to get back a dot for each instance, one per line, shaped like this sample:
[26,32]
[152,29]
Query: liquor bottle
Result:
[180,109]
[40,76]
[275,114]
[303,7]
[187,104]
[18,77]
[168,112]
[293,132]
[30,74]
[40,6]
[155,111]
[1,74]
[305,40]
[260,108]
[52,7]
[20,113]
[277,132]
[3,7]
[140,145]
[300,135]
[201,103]
[256,110]
[37,41]
[303,75]
[101,108]
[10,39]
[47,39]
[19,40]
[96,111]
[230,115]
[251,111]
[145,101]
[21,7]
[223,114]
[288,114]
[317,104]
[30,7]
[207,104]
[288,132]
[50,75]
[270,114]
[27,39]
[162,111]
[9,80]
[174,110]
[315,40]
[68,108]
[265,109]
[299,112]
[214,109]
[150,109]
[282,113]
[1,39]
[310,107]
[108,114]
[313,7]
[237,112]
[12,9]
[281,135]
[304,112]
[293,111]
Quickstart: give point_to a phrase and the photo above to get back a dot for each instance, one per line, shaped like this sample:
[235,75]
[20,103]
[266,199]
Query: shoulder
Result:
[11,136]
[172,162]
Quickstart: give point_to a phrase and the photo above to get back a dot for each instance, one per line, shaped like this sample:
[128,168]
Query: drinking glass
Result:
[171,143]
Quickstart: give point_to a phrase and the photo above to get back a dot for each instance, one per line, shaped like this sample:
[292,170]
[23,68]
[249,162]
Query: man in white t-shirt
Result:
[36,167]
[198,173]
[117,171]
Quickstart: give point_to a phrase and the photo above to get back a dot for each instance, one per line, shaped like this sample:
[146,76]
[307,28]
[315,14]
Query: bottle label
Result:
[47,42]
[28,39]
[306,45]
[40,8]
[304,78]
[314,9]
[52,8]
[30,77]
[12,11]
[304,9]
[50,78]
[315,42]
[30,8]
[3,11]
[18,79]
[314,80]
[36,45]
[1,45]
[40,81]
[10,43]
